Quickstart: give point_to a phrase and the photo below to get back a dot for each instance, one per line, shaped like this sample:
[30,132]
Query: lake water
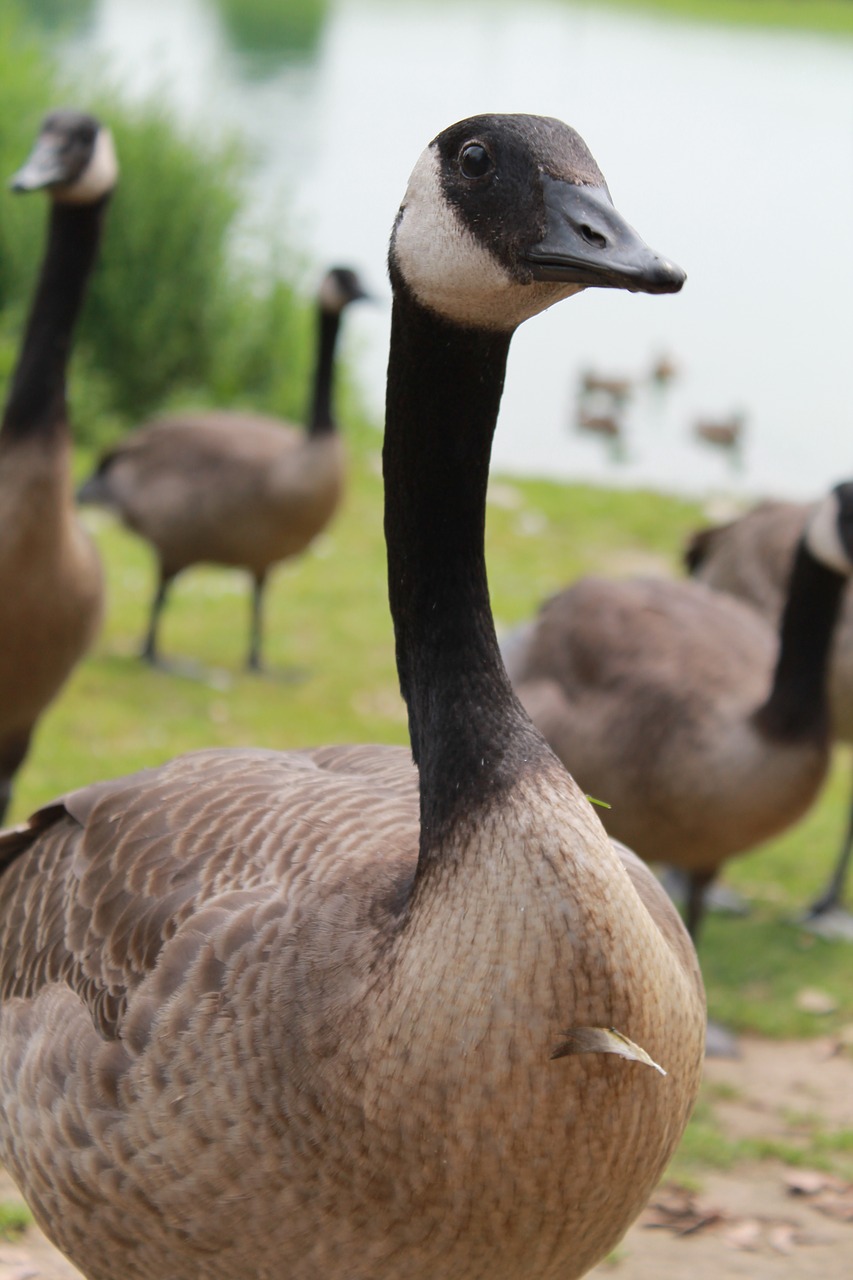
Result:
[730,150]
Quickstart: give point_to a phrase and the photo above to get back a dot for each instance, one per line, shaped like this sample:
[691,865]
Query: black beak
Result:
[587,242]
[44,167]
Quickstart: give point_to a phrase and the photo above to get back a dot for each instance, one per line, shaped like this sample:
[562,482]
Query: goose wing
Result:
[96,884]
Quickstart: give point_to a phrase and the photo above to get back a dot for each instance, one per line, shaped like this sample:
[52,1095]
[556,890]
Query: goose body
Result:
[50,576]
[703,730]
[297,1014]
[51,592]
[232,488]
[617,389]
[601,424]
[725,432]
[750,558]
[226,488]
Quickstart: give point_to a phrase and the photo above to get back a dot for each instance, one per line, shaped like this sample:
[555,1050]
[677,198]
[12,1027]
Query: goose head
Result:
[829,531]
[74,159]
[340,286]
[505,215]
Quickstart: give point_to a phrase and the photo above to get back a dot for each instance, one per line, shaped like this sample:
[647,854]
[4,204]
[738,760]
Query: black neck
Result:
[36,401]
[321,419]
[797,706]
[470,737]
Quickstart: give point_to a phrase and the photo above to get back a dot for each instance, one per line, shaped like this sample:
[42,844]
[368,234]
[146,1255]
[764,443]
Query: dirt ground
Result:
[762,1221]
[765,1221]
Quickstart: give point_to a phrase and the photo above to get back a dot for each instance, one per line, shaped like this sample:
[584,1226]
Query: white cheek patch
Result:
[823,539]
[452,272]
[331,296]
[99,176]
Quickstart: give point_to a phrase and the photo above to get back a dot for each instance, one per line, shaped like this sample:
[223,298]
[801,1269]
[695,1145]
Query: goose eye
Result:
[474,161]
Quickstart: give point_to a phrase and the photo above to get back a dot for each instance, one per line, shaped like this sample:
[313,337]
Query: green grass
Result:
[14,1219]
[832,17]
[707,1146]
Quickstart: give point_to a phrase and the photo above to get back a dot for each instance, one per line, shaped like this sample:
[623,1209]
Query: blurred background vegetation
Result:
[271,28]
[173,315]
[813,15]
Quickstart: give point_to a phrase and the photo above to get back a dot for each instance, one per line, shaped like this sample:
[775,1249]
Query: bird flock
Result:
[602,402]
[365,1011]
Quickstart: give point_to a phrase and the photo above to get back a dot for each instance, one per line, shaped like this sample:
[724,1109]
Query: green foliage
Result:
[272,28]
[155,303]
[171,316]
[264,347]
[59,17]
[23,71]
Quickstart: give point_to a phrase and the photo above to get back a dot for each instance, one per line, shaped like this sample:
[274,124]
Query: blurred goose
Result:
[725,432]
[600,424]
[322,1014]
[664,369]
[751,558]
[703,730]
[233,488]
[617,389]
[50,575]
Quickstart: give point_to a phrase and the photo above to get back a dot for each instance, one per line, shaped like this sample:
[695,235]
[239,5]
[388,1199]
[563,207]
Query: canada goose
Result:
[664,370]
[725,432]
[232,488]
[260,1019]
[50,576]
[751,558]
[599,424]
[618,389]
[678,706]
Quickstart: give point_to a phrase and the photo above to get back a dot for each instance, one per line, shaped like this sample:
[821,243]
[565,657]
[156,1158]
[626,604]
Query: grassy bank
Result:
[333,679]
[833,17]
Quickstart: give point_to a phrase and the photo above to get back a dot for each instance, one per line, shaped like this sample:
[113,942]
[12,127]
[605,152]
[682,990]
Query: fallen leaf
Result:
[813,1000]
[808,1182]
[838,1205]
[745,1234]
[782,1238]
[678,1210]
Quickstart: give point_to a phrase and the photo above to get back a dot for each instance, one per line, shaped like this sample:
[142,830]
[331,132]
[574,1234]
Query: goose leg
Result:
[5,797]
[697,883]
[719,897]
[12,753]
[834,891]
[719,1041]
[254,661]
[150,651]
